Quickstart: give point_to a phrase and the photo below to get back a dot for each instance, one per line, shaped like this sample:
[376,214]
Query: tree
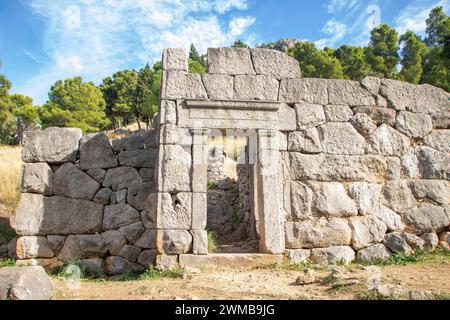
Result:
[436,70]
[5,85]
[146,100]
[240,44]
[74,103]
[119,92]
[438,28]
[316,63]
[26,114]
[195,56]
[353,61]
[196,67]
[413,52]
[382,52]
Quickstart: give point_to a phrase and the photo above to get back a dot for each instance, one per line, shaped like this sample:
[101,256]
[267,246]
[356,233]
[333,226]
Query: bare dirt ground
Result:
[261,284]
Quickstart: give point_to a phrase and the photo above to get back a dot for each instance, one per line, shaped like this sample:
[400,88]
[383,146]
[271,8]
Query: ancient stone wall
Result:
[340,170]
[83,198]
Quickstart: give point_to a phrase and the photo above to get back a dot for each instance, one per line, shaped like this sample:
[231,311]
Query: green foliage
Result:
[7,263]
[146,98]
[74,103]
[438,28]
[212,241]
[382,52]
[240,44]
[413,52]
[353,61]
[196,67]
[152,274]
[436,70]
[195,56]
[421,256]
[316,63]
[8,129]
[5,85]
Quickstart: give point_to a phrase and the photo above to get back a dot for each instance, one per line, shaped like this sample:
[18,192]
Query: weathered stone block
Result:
[337,168]
[181,85]
[231,61]
[199,211]
[400,95]
[333,135]
[335,113]
[333,255]
[147,174]
[33,247]
[414,125]
[118,265]
[431,100]
[25,283]
[436,190]
[71,182]
[363,124]
[164,262]
[138,194]
[52,145]
[55,243]
[298,256]
[255,88]
[97,174]
[305,141]
[371,84]
[397,243]
[175,59]
[132,231]
[275,64]
[147,258]
[366,231]
[319,233]
[119,215]
[38,215]
[366,196]
[78,247]
[140,140]
[103,196]
[147,240]
[131,253]
[138,158]
[374,253]
[174,169]
[433,164]
[387,141]
[114,241]
[309,115]
[37,178]
[199,242]
[174,241]
[439,140]
[391,219]
[218,86]
[121,178]
[299,203]
[397,196]
[96,152]
[378,115]
[331,199]
[175,211]
[426,218]
[431,241]
[306,90]
[348,93]
[167,112]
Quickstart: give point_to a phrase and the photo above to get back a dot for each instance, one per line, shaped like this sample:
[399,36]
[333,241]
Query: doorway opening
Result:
[231,219]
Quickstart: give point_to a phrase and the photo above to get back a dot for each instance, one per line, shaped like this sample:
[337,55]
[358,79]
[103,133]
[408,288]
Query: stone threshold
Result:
[229,261]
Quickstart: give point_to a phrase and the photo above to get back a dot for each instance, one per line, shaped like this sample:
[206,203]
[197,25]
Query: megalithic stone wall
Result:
[342,170]
[83,199]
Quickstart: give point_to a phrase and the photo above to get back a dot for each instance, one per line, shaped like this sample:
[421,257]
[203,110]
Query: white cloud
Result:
[336,30]
[334,6]
[93,39]
[413,17]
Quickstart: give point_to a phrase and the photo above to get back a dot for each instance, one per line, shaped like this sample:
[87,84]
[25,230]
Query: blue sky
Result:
[42,41]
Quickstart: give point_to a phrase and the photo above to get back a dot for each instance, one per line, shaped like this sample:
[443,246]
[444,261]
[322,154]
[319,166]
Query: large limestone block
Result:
[427,218]
[348,93]
[431,100]
[97,174]
[96,152]
[305,141]
[175,169]
[174,211]
[336,113]
[333,136]
[400,95]
[309,115]
[436,190]
[119,215]
[396,242]
[298,256]
[392,220]
[371,84]
[332,200]
[363,124]
[414,125]
[133,231]
[306,90]
[337,168]
[366,231]
[255,88]
[147,240]
[25,283]
[55,243]
[433,164]
[374,253]
[333,255]
[37,178]
[388,141]
[78,247]
[103,196]
[117,265]
[199,242]
[38,215]
[300,201]
[167,112]
[121,178]
[275,64]
[174,241]
[218,86]
[181,85]
[138,158]
[131,253]
[379,115]
[114,241]
[319,233]
[137,194]
[33,247]
[71,182]
[231,61]
[439,140]
[147,258]
[140,140]
[52,145]
[397,196]
[366,196]
[175,59]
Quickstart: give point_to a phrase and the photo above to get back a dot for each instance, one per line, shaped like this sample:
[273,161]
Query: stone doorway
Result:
[230,214]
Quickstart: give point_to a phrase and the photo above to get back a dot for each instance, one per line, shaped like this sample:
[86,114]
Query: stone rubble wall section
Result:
[84,199]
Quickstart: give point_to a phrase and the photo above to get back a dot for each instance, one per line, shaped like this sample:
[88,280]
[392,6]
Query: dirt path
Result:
[259,284]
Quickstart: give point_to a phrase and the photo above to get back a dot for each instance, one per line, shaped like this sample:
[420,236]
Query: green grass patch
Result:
[420,257]
[151,274]
[212,241]
[7,263]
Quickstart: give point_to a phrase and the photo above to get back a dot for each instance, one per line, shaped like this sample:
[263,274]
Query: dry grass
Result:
[10,166]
